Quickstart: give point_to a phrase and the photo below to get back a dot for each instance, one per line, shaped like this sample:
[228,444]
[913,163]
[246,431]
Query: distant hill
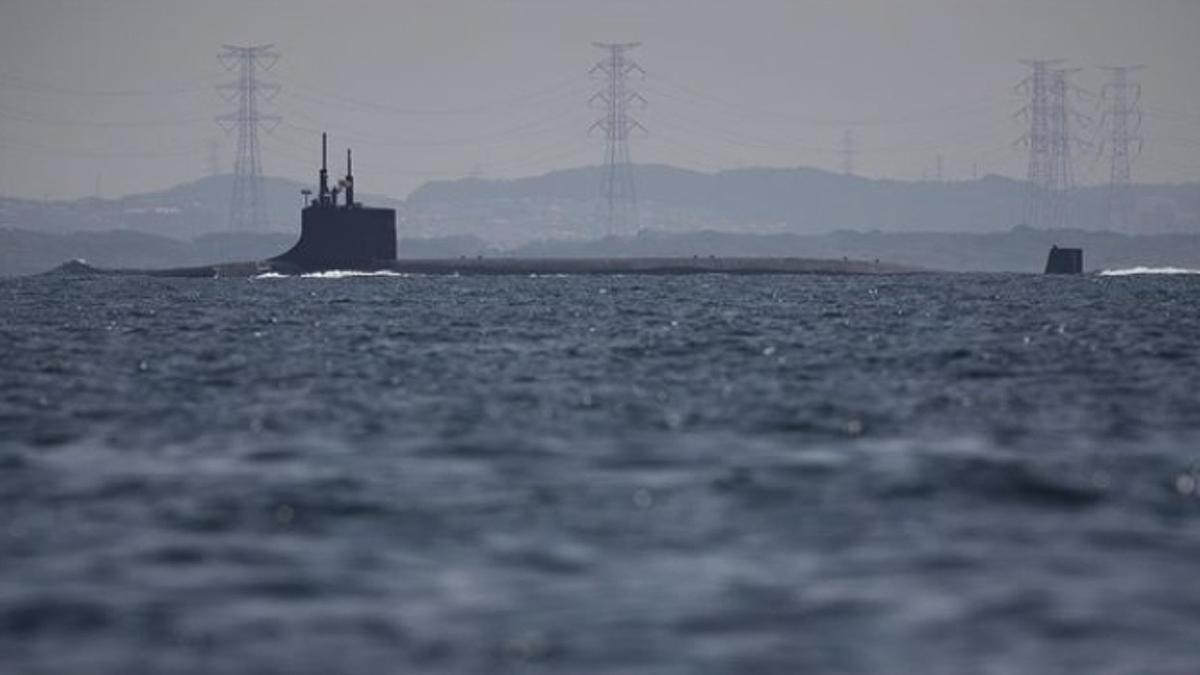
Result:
[192,209]
[563,204]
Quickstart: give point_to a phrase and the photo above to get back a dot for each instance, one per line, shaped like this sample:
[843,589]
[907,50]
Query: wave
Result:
[331,274]
[1147,270]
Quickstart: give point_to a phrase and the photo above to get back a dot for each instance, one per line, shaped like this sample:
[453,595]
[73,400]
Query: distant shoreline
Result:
[24,252]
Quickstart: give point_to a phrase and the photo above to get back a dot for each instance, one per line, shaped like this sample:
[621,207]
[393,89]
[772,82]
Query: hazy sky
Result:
[117,96]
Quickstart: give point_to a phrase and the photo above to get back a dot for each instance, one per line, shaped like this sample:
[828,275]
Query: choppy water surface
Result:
[934,474]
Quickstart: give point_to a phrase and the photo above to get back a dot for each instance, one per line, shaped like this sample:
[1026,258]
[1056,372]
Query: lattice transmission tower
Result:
[618,195]
[1037,87]
[1050,113]
[247,205]
[1062,175]
[1122,120]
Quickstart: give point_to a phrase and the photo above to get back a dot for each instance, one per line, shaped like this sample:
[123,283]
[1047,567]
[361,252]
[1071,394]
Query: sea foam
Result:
[331,274]
[1147,270]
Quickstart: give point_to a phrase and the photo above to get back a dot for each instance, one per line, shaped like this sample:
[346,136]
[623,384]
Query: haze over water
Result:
[456,88]
[928,474]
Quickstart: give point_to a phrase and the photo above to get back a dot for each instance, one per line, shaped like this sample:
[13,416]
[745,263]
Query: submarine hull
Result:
[526,267]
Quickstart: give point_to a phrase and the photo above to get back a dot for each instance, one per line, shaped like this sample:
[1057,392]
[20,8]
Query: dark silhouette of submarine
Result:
[1064,260]
[346,236]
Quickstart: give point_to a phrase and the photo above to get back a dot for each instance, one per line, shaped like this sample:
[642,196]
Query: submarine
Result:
[337,233]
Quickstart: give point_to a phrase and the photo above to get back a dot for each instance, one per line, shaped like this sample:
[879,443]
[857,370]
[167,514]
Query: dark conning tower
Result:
[348,236]
[1064,260]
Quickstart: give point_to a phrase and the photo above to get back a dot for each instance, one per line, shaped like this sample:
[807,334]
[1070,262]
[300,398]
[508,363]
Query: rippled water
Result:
[929,474]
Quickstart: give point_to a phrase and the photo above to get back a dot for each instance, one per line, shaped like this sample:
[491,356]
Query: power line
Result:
[972,136]
[306,92]
[25,84]
[392,164]
[42,119]
[690,95]
[728,136]
[617,191]
[247,207]
[1171,114]
[528,128]
[34,148]
[716,160]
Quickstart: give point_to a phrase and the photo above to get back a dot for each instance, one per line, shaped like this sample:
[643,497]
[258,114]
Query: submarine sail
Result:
[346,236]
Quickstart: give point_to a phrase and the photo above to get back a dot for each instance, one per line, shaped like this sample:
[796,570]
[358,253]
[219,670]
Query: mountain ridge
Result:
[563,204]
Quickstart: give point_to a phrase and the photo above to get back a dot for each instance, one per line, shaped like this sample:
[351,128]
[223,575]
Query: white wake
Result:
[332,274]
[1147,270]
[345,274]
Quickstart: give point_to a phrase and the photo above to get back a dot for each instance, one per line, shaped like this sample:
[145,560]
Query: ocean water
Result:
[936,474]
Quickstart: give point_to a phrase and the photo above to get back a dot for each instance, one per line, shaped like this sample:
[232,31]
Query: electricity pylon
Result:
[1062,176]
[1050,114]
[247,206]
[1122,119]
[617,193]
[1037,113]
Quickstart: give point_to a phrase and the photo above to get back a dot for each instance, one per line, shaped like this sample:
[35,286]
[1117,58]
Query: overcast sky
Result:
[117,96]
